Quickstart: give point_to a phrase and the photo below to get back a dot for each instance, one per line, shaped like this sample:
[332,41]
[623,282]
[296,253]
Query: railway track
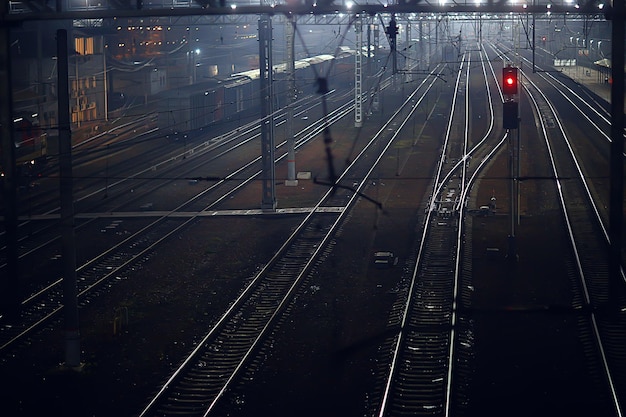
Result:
[178,165]
[420,360]
[586,257]
[44,301]
[593,121]
[435,342]
[158,173]
[127,190]
[590,248]
[232,343]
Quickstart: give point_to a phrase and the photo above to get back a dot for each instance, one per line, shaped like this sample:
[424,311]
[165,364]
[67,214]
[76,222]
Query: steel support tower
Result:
[9,283]
[408,76]
[290,26]
[358,73]
[268,176]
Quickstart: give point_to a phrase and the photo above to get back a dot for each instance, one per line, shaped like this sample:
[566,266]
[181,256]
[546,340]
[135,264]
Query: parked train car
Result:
[30,141]
[31,149]
[187,108]
[193,107]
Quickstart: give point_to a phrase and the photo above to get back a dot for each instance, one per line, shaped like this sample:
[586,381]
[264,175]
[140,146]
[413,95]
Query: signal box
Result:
[510,116]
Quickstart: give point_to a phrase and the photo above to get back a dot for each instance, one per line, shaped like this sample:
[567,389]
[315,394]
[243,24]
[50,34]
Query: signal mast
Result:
[510,121]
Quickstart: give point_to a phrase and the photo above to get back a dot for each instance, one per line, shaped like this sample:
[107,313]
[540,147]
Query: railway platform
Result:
[596,81]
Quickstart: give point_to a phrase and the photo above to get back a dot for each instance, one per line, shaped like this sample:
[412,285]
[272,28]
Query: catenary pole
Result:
[268,202]
[9,283]
[70,304]
[290,26]
[616,210]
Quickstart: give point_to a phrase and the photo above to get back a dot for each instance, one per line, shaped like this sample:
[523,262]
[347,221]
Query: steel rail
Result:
[394,366]
[438,190]
[576,227]
[568,218]
[44,304]
[591,199]
[299,274]
[205,147]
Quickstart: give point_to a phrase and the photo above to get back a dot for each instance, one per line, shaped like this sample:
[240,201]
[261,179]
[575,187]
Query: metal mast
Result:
[290,26]
[268,176]
[407,54]
[68,238]
[9,284]
[616,165]
[358,73]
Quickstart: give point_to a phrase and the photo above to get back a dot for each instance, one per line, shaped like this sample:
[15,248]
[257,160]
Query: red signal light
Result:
[509,84]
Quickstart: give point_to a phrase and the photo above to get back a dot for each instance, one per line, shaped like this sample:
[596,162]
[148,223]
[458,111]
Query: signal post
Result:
[510,122]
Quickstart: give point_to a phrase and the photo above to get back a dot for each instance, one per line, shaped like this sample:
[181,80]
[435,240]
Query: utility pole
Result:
[374,104]
[358,72]
[105,81]
[392,38]
[368,62]
[510,121]
[268,175]
[616,209]
[407,53]
[533,40]
[9,285]
[392,32]
[70,303]
[290,26]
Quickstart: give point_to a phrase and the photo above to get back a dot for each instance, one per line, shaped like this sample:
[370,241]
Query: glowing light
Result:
[509,81]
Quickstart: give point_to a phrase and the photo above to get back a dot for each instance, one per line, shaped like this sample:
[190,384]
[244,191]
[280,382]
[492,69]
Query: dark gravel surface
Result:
[322,358]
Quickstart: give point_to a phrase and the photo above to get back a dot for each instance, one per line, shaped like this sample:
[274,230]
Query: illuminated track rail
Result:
[597,323]
[419,361]
[45,300]
[416,384]
[203,378]
[597,329]
[177,164]
[594,121]
[45,303]
[197,386]
[158,175]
